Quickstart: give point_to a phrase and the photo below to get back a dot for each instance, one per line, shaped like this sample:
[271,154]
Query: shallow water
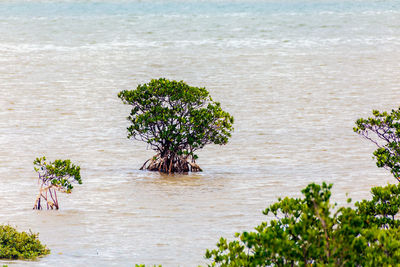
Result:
[294,74]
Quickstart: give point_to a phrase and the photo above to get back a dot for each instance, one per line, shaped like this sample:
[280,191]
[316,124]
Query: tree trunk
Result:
[50,203]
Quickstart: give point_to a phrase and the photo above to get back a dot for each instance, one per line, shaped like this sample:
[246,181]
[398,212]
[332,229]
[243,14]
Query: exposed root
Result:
[171,163]
[195,167]
[49,195]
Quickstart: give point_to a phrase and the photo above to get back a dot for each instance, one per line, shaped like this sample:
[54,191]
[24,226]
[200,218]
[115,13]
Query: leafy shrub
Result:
[311,231]
[20,245]
[55,176]
[383,129]
[175,120]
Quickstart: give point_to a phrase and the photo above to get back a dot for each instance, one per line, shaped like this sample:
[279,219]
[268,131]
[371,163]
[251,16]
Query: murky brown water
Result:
[295,80]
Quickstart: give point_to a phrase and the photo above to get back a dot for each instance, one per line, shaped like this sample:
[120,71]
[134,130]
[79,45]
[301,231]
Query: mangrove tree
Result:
[175,120]
[52,177]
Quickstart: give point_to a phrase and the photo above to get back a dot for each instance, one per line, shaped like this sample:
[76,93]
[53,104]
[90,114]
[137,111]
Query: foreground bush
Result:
[16,245]
[312,231]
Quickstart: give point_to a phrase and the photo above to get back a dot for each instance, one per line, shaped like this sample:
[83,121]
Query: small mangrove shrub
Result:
[310,231]
[16,245]
[383,129]
[54,176]
[175,120]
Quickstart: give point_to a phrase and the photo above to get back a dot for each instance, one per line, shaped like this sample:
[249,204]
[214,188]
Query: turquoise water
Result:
[77,23]
[294,74]
[96,8]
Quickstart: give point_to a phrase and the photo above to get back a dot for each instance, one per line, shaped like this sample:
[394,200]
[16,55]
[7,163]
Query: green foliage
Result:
[311,231]
[60,173]
[175,119]
[20,245]
[55,176]
[385,129]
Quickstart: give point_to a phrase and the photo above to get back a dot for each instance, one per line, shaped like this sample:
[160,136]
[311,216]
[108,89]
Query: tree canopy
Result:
[312,231]
[175,120]
[383,129]
[55,176]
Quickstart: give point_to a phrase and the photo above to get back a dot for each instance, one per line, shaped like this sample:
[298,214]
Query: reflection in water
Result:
[295,77]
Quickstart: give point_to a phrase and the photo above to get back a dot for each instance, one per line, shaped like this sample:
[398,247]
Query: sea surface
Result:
[294,74]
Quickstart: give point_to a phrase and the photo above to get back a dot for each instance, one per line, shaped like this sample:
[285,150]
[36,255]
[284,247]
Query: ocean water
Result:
[294,74]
